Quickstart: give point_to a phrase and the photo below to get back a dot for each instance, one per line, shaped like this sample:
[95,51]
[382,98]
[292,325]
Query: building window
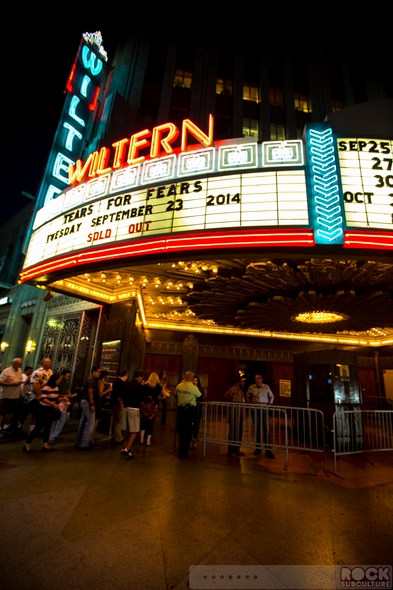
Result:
[182,79]
[337,105]
[302,103]
[224,86]
[277,132]
[250,127]
[251,92]
[275,97]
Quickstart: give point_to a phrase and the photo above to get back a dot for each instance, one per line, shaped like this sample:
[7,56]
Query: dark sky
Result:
[35,78]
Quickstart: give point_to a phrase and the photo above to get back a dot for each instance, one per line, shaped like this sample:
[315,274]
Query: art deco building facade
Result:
[224,188]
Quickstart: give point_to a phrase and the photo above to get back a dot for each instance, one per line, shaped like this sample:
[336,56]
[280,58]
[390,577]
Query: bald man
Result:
[10,380]
[186,394]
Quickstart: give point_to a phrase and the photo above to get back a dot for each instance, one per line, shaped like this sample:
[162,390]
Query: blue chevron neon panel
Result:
[325,199]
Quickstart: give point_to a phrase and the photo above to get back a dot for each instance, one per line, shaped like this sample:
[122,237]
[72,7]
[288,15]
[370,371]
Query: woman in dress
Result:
[198,412]
[103,388]
[48,412]
[151,391]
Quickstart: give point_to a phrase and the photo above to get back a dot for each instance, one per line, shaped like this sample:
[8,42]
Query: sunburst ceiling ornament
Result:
[319,317]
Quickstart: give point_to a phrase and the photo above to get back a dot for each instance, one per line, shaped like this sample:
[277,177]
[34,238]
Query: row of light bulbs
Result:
[196,267]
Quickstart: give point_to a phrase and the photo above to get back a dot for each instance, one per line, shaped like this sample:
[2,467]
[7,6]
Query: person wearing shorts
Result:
[132,395]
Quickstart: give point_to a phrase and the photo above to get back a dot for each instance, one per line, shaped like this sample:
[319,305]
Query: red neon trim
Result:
[184,242]
[375,240]
[93,104]
[70,79]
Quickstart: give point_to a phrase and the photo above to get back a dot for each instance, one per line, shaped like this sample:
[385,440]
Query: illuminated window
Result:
[277,132]
[224,86]
[302,103]
[251,92]
[183,79]
[337,105]
[275,97]
[250,127]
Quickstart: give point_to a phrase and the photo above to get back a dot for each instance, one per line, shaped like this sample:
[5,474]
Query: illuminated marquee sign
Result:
[228,156]
[326,209]
[82,94]
[367,182]
[262,199]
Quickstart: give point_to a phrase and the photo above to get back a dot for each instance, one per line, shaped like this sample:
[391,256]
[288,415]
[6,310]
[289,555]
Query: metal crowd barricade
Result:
[234,425]
[306,430]
[358,431]
[280,428]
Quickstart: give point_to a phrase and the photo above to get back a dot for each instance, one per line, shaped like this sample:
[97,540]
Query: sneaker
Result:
[269,455]
[233,455]
[130,456]
[257,452]
[124,452]
[52,441]
[240,454]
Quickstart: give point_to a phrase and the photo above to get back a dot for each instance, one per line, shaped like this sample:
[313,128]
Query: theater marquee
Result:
[144,196]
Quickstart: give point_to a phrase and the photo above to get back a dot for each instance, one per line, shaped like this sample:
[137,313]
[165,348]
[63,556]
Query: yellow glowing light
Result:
[319,317]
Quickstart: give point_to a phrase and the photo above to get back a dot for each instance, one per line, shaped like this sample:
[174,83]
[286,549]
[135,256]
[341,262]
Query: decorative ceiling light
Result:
[319,317]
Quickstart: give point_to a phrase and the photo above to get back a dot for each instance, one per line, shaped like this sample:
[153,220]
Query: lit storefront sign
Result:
[224,195]
[367,182]
[83,89]
[263,199]
[326,209]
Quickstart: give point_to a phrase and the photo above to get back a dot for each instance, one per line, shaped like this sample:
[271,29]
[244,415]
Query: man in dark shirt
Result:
[88,417]
[117,405]
[132,398]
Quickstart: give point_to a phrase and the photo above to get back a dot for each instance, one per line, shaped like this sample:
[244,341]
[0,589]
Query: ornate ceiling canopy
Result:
[287,295]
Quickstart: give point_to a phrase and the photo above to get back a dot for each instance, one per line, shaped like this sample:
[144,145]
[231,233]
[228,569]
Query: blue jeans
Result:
[57,427]
[86,425]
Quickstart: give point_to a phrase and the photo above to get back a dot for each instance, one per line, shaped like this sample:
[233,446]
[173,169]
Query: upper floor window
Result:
[276,97]
[277,132]
[251,92]
[302,103]
[337,105]
[224,86]
[183,79]
[250,127]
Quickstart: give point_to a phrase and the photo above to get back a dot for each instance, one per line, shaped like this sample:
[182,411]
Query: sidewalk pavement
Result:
[80,520]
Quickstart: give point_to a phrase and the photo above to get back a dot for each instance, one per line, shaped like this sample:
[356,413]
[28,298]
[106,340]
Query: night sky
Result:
[35,79]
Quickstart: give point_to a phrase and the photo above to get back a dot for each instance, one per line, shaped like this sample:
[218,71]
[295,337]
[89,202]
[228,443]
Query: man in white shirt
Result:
[260,393]
[10,380]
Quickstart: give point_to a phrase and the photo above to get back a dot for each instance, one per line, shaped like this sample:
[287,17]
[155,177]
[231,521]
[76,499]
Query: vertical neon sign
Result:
[83,87]
[325,198]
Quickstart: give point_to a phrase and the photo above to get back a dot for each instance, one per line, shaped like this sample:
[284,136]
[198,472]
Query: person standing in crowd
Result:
[24,395]
[261,394]
[163,395]
[116,405]
[65,394]
[47,414]
[186,395]
[235,395]
[38,379]
[87,420]
[10,380]
[151,389]
[103,388]
[132,396]
[198,412]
